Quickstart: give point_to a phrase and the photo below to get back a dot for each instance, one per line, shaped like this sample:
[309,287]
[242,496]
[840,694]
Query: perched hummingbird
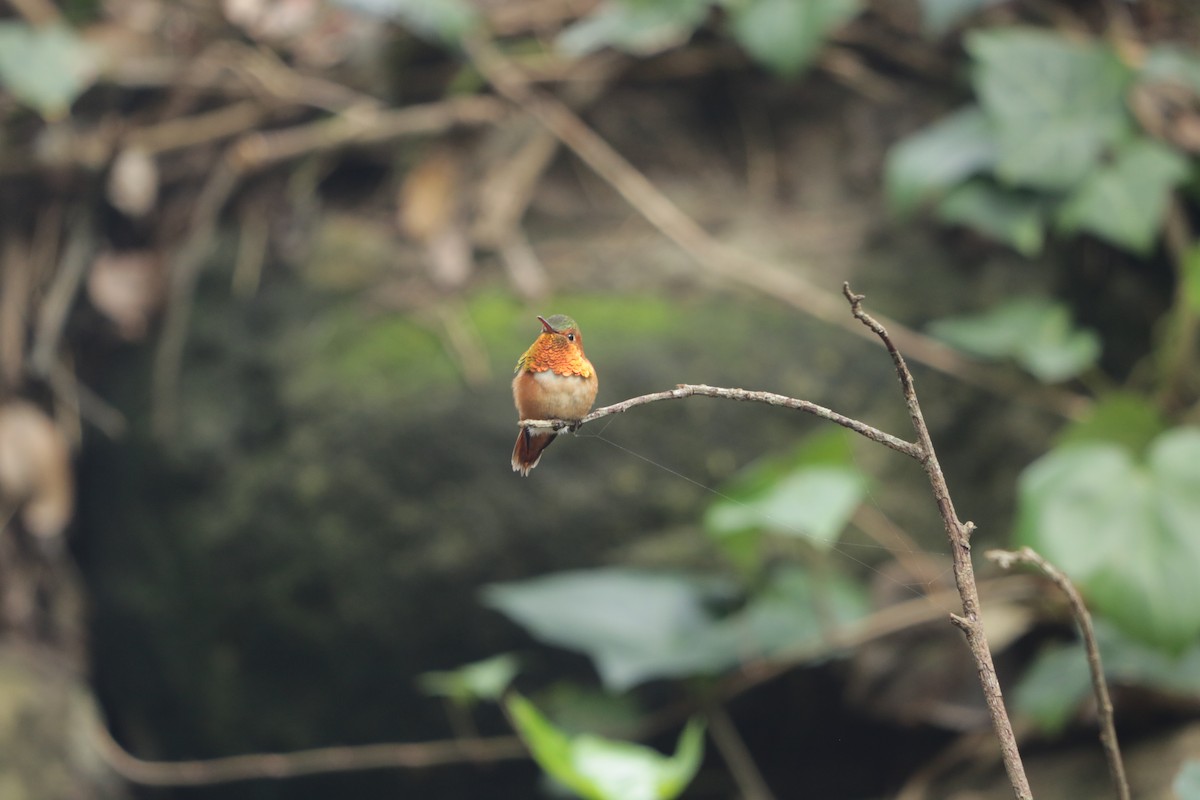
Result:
[554,380]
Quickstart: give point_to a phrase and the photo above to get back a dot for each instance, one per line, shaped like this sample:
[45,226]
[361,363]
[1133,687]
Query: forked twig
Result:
[959,534]
[1104,706]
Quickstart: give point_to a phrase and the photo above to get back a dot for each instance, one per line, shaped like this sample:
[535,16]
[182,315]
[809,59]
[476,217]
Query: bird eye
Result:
[570,337]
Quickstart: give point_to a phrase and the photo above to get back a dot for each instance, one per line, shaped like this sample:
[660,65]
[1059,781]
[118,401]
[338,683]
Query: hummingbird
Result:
[554,380]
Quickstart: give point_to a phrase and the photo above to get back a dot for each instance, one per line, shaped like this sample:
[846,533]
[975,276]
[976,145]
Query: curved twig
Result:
[256,766]
[770,398]
[1104,706]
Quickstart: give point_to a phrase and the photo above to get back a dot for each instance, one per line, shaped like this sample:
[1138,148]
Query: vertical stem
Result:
[959,534]
[741,765]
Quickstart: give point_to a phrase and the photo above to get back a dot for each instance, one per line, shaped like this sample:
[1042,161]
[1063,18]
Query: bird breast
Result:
[548,395]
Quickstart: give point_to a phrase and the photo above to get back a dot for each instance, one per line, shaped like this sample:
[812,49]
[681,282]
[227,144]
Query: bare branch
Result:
[186,265]
[700,390]
[1108,730]
[362,125]
[60,296]
[205,772]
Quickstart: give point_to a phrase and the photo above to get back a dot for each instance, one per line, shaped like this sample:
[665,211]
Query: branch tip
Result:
[1003,558]
[855,300]
[962,623]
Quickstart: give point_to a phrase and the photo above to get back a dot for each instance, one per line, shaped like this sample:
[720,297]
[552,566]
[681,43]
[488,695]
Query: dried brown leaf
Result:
[449,257]
[133,182]
[35,469]
[127,288]
[429,197]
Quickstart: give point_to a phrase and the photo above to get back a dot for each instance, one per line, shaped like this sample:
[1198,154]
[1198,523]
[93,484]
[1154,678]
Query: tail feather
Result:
[528,450]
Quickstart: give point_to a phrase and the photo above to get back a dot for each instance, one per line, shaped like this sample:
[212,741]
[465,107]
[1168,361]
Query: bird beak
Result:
[546,325]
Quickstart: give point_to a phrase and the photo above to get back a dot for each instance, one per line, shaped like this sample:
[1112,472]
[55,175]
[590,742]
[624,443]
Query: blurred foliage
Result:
[1035,333]
[482,680]
[1051,145]
[640,27]
[45,67]
[383,358]
[783,35]
[939,16]
[1058,683]
[1052,142]
[595,768]
[638,625]
[1122,418]
[1190,280]
[1125,201]
[590,708]
[1054,104]
[313,510]
[1123,527]
[809,493]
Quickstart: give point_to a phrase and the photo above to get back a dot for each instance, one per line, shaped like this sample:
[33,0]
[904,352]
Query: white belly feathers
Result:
[563,396]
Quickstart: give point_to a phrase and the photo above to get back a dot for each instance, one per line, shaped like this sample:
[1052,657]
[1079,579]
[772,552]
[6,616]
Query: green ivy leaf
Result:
[811,502]
[602,769]
[481,680]
[786,35]
[635,625]
[1056,103]
[810,493]
[1034,332]
[1124,530]
[641,28]
[46,67]
[939,157]
[638,626]
[1012,217]
[1124,202]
